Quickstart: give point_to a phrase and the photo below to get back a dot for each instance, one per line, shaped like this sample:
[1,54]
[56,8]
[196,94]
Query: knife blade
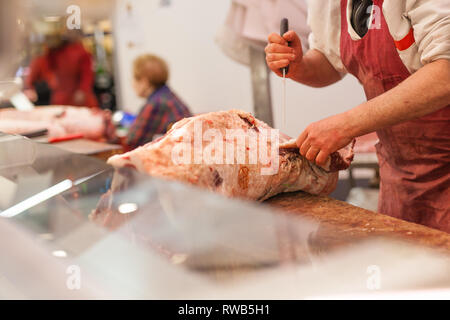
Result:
[284,27]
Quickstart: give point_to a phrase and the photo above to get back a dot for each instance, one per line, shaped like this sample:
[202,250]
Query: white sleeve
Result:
[431,22]
[324,19]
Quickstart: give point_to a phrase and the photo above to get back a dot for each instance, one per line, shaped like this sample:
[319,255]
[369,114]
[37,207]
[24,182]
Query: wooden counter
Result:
[342,223]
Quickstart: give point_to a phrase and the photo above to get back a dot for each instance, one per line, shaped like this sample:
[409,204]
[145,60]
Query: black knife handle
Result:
[284,27]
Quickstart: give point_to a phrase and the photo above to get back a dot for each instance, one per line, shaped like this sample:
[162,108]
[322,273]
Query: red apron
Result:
[414,156]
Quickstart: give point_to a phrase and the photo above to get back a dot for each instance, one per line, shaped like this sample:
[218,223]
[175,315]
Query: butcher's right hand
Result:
[280,54]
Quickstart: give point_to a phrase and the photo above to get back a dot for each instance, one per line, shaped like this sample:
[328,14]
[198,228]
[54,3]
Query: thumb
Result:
[294,42]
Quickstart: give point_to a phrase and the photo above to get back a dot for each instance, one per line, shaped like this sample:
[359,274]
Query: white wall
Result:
[305,105]
[201,74]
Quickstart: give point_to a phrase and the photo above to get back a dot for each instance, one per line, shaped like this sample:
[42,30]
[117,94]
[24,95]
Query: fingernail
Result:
[292,56]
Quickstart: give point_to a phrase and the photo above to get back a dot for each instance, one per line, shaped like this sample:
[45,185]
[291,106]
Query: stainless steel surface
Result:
[262,100]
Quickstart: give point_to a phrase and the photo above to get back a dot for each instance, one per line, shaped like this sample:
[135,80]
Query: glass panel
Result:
[53,193]
[136,236]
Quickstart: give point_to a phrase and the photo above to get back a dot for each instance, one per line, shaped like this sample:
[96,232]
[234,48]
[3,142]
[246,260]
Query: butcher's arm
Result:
[87,76]
[86,80]
[315,70]
[424,92]
[312,69]
[34,73]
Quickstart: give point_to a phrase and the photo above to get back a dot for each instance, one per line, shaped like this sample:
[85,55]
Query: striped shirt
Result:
[162,109]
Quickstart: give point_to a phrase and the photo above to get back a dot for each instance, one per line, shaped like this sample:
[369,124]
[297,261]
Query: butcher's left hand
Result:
[324,137]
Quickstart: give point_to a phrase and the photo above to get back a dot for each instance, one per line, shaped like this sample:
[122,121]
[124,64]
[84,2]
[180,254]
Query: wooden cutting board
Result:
[342,223]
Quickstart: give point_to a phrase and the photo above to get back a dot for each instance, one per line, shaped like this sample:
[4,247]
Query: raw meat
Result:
[59,120]
[18,126]
[286,171]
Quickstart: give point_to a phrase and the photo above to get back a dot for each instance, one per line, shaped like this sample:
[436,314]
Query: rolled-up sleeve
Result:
[324,19]
[431,22]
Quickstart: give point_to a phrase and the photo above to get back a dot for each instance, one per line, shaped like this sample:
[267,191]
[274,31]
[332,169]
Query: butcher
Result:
[399,50]
[66,67]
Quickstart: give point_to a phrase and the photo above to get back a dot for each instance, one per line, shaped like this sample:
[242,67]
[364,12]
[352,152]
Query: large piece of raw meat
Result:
[58,120]
[240,179]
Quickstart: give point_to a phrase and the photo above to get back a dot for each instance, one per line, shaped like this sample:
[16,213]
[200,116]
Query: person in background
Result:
[67,69]
[162,108]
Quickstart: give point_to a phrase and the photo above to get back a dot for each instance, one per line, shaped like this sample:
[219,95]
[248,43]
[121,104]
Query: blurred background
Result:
[81,53]
[92,68]
[185,34]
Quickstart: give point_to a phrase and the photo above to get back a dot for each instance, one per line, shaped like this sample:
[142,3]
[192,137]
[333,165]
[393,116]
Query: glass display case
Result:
[74,227]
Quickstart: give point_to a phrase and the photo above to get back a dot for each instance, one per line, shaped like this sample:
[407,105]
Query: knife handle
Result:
[65,138]
[284,27]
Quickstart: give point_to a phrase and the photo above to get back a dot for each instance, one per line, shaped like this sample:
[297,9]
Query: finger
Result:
[290,144]
[271,57]
[276,38]
[312,154]
[294,41]
[304,148]
[301,138]
[322,157]
[278,48]
[278,64]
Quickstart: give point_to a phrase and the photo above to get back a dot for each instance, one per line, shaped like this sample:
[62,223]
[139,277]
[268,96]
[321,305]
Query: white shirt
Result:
[430,20]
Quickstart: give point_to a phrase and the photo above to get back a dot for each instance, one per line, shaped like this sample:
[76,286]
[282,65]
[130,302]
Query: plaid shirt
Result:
[163,108]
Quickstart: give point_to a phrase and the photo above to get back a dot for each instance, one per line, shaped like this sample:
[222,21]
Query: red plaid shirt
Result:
[163,109]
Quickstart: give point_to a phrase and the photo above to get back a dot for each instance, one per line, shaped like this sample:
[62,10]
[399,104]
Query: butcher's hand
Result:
[322,138]
[279,54]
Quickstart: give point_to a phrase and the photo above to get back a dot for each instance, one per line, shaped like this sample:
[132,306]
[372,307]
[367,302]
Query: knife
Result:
[284,27]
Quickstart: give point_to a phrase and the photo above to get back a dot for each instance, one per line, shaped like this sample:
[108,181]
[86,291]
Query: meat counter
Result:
[64,234]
